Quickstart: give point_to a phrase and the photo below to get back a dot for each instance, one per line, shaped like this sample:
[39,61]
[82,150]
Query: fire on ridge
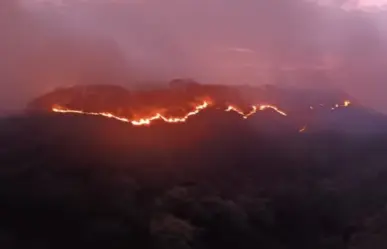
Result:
[147,120]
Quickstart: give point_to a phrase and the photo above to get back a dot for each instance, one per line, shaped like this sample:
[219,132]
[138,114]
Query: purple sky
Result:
[312,43]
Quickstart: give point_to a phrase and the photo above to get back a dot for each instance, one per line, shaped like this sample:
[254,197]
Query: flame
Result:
[254,110]
[138,122]
[235,109]
[181,119]
[147,121]
[264,107]
[158,116]
[345,104]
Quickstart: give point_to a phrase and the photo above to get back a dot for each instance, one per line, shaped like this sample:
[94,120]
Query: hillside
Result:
[214,182]
[306,109]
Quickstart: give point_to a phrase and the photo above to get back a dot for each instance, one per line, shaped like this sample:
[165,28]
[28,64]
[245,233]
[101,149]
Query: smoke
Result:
[297,42]
[39,52]
[355,5]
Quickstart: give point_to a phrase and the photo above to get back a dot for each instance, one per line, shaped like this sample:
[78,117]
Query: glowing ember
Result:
[336,106]
[346,104]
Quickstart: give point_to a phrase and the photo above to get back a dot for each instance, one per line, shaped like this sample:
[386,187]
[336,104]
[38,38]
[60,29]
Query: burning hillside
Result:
[147,120]
[177,103]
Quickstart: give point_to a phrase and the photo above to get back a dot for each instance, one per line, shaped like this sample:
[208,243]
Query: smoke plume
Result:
[310,43]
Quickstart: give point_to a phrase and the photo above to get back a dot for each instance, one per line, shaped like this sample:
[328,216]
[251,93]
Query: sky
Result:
[307,43]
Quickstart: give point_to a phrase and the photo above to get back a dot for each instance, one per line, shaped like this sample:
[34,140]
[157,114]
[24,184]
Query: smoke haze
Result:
[314,43]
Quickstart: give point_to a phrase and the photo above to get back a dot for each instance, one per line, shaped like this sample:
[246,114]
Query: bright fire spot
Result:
[346,104]
[336,106]
[158,116]
[303,129]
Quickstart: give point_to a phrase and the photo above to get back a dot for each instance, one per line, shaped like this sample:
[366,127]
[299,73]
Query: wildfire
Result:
[146,121]
[139,122]
[158,116]
[254,110]
[235,109]
[264,107]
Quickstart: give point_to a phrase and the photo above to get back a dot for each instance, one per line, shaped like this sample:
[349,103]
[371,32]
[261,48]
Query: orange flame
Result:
[158,116]
[254,109]
[139,122]
[346,104]
[181,119]
[235,109]
[335,106]
[264,107]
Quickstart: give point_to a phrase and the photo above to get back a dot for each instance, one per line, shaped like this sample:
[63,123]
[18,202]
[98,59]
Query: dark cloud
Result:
[287,42]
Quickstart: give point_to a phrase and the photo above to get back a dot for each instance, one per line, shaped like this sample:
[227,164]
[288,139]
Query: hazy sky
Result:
[313,43]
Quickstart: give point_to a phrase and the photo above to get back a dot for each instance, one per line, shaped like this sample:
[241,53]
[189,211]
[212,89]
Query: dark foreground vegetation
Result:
[86,182]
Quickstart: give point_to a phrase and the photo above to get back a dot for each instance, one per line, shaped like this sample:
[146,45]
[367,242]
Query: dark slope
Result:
[89,182]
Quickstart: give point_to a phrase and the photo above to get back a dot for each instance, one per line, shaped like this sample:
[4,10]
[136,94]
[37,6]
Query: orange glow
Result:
[254,110]
[244,115]
[346,104]
[141,121]
[336,106]
[264,107]
[146,121]
[235,109]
